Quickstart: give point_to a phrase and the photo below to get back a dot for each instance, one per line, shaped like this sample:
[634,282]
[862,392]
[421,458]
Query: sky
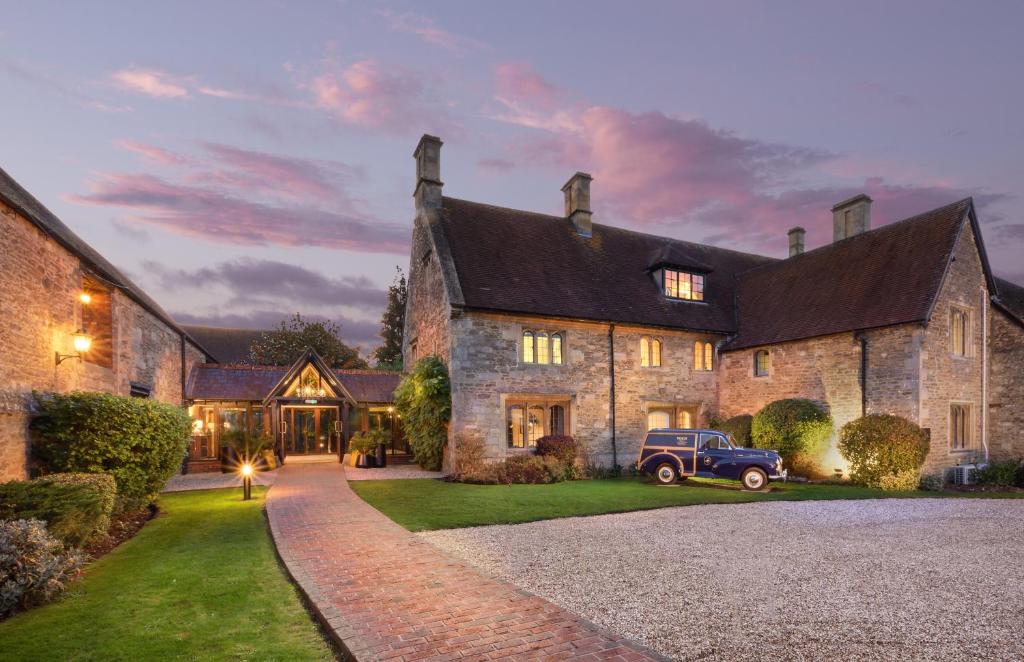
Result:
[242,161]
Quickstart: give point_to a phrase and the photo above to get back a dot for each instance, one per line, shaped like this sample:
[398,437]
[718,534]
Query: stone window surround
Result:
[651,340]
[754,368]
[674,406]
[968,446]
[968,333]
[707,359]
[566,400]
[521,347]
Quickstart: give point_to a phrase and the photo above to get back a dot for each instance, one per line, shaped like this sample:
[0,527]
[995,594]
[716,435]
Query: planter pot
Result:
[382,456]
[361,461]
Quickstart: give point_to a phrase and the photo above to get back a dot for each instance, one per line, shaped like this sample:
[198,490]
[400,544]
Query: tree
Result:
[284,345]
[389,354]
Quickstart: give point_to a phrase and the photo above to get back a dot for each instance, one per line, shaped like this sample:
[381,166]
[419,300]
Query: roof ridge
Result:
[616,228]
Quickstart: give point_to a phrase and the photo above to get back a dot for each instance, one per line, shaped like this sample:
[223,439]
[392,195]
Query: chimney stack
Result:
[796,241]
[851,217]
[577,203]
[428,173]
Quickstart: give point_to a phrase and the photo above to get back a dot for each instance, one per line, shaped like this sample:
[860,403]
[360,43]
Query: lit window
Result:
[516,426]
[683,285]
[556,349]
[535,424]
[528,354]
[960,427]
[529,420]
[645,352]
[703,354]
[959,331]
[655,353]
[762,363]
[557,419]
[542,348]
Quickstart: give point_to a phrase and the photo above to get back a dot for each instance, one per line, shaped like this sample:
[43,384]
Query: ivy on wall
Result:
[424,402]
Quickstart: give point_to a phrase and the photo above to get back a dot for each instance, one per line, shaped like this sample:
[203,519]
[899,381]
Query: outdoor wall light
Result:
[82,341]
[246,481]
[85,298]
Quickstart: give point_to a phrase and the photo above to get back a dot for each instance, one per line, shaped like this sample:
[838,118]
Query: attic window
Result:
[683,285]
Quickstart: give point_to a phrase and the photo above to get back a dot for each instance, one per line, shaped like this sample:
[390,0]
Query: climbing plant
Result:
[424,403]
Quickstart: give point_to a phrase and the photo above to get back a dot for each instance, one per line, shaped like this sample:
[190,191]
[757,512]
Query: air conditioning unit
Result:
[962,475]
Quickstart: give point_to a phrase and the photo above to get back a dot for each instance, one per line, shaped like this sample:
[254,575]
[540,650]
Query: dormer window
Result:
[683,285]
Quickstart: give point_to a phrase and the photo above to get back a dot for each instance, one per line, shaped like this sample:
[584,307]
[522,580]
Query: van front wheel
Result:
[755,479]
[665,473]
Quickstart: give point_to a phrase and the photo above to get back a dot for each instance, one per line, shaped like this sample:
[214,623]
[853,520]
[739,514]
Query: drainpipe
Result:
[984,370]
[184,377]
[611,388]
[862,337]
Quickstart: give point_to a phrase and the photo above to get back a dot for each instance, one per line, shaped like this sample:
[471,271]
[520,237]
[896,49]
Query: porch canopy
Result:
[307,408]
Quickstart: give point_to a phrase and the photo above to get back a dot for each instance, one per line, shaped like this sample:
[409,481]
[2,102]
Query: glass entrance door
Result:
[311,430]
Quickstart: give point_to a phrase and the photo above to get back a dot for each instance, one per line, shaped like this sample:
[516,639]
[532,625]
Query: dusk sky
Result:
[244,160]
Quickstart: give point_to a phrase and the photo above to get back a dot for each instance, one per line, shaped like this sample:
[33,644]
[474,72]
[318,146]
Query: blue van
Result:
[673,454]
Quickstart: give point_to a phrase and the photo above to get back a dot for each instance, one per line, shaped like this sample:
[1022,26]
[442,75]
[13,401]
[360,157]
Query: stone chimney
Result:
[428,173]
[577,203]
[796,241]
[851,217]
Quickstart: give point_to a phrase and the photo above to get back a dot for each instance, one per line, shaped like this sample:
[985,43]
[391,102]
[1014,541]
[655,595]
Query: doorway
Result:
[311,430]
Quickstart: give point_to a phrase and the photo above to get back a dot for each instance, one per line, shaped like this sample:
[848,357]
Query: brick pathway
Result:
[386,595]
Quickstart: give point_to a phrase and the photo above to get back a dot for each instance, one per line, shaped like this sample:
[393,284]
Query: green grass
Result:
[199,582]
[425,504]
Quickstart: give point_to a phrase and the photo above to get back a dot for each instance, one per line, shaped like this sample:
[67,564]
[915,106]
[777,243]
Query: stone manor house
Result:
[557,324]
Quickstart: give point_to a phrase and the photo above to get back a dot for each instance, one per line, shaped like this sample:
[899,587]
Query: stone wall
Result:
[945,377]
[427,309]
[487,372]
[39,310]
[1006,387]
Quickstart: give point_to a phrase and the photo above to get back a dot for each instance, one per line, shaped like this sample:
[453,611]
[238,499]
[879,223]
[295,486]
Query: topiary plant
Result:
[879,446]
[798,429]
[139,442]
[424,402]
[738,427]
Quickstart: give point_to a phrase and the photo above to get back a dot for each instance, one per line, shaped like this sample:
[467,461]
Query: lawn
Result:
[425,504]
[199,582]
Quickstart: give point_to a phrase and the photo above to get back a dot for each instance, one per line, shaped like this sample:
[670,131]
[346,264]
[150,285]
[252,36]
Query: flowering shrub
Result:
[34,567]
[881,445]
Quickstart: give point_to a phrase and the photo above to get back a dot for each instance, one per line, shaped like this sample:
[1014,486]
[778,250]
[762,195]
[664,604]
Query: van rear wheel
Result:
[665,473]
[755,479]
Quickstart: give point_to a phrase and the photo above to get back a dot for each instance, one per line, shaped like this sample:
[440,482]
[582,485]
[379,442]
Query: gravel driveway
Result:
[886,580]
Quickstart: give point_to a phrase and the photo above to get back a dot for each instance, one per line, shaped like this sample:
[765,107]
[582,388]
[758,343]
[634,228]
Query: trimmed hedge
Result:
[739,427]
[880,446]
[998,473]
[139,442]
[798,429]
[73,512]
[34,566]
[424,402]
[103,484]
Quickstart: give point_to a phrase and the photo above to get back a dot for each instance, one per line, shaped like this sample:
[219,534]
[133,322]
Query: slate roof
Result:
[227,344]
[883,277]
[213,381]
[13,194]
[1011,297]
[523,262]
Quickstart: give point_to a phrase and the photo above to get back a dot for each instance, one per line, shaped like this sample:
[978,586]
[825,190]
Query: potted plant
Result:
[244,448]
[364,444]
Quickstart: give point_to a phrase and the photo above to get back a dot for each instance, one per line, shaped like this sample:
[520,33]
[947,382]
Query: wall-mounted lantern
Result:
[82,341]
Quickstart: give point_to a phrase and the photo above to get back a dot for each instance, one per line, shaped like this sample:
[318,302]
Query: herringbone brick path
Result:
[386,595]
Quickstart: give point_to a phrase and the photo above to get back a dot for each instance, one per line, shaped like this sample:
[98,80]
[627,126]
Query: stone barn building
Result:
[55,286]
[557,324]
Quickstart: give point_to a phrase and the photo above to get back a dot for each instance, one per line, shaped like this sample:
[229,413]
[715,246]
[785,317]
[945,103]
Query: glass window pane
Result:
[683,419]
[708,355]
[516,426]
[542,348]
[685,291]
[658,420]
[645,352]
[698,357]
[655,353]
[527,347]
[698,288]
[535,424]
[556,349]
[557,419]
[671,283]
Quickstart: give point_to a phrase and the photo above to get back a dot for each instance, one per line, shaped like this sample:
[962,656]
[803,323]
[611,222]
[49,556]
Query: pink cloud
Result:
[152,152]
[150,82]
[517,82]
[427,29]
[368,93]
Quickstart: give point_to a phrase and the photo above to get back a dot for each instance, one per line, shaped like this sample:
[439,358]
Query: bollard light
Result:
[246,481]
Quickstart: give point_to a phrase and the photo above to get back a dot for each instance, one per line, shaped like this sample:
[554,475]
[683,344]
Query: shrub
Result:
[518,469]
[904,481]
[245,446]
[74,513]
[363,442]
[104,486]
[424,402]
[469,457]
[738,427]
[998,473]
[798,429]
[932,482]
[139,442]
[562,447]
[34,567]
[879,445]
